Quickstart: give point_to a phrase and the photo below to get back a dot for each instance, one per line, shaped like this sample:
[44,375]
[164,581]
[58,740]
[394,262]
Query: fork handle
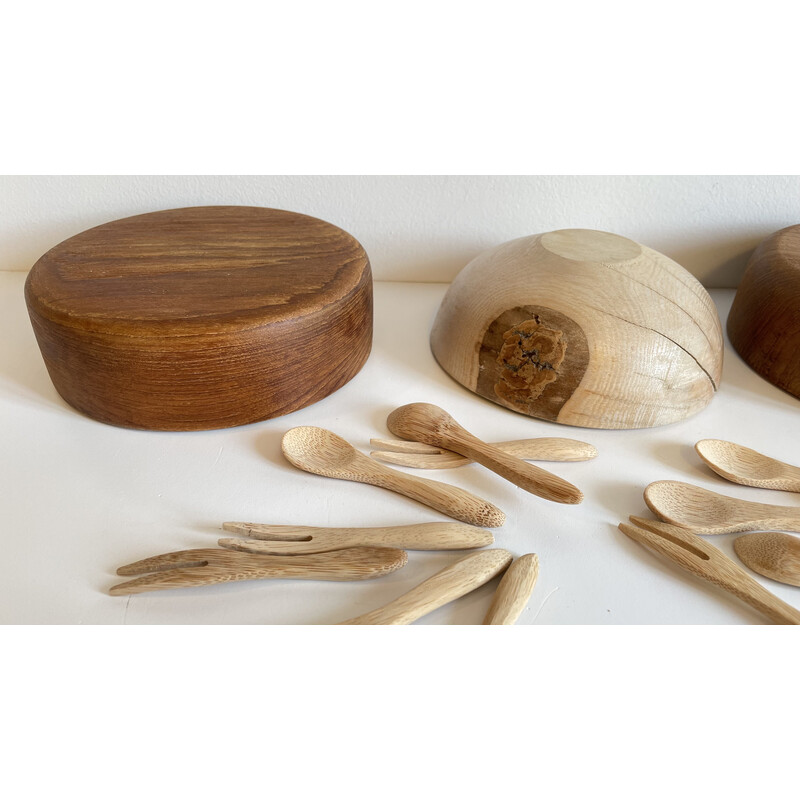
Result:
[723,572]
[759,598]
[514,591]
[450,583]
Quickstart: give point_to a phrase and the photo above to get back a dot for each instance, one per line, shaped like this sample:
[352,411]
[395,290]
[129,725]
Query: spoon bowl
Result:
[740,464]
[707,512]
[319,451]
[322,452]
[773,555]
[427,423]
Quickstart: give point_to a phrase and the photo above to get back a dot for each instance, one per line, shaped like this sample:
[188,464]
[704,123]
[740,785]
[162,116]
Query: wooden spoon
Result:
[514,591]
[773,555]
[324,453]
[446,585]
[707,512]
[427,423]
[745,466]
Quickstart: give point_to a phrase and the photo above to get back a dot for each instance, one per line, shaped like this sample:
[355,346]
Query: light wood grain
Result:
[425,422]
[215,565]
[301,539]
[514,591]
[322,452]
[707,512]
[423,456]
[740,464]
[584,328]
[763,323]
[445,586]
[773,555]
[198,318]
[706,561]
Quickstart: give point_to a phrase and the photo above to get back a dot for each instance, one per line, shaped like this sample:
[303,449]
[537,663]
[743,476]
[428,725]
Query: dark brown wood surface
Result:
[204,317]
[764,320]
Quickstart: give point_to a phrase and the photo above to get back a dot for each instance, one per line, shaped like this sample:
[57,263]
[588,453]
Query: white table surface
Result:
[80,498]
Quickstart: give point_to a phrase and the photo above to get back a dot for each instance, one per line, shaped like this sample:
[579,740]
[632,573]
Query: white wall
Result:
[426,228]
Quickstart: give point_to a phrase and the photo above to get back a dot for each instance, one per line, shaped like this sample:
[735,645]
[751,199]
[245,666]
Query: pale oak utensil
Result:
[215,565]
[424,456]
[514,591]
[707,512]
[322,452]
[427,423]
[708,562]
[446,585]
[773,555]
[294,539]
[740,464]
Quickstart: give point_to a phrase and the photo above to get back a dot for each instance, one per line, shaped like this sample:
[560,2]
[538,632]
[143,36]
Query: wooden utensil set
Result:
[687,512]
[432,439]
[348,554]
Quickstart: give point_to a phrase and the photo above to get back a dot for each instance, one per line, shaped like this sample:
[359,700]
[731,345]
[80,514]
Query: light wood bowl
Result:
[764,320]
[200,318]
[583,328]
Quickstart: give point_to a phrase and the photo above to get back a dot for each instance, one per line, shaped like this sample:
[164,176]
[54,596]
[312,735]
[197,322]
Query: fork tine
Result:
[270,533]
[403,446]
[172,579]
[277,547]
[178,559]
[682,536]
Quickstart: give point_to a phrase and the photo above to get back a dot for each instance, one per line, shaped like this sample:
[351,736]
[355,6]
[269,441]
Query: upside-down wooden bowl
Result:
[764,320]
[200,318]
[583,328]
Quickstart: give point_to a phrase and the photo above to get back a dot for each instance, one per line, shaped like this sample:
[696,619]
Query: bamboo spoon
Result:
[424,456]
[707,512]
[700,558]
[215,565]
[514,591]
[432,425]
[773,555]
[742,465]
[296,539]
[446,585]
[324,453]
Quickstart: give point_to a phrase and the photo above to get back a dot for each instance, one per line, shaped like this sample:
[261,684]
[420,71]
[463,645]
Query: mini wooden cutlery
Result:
[294,539]
[697,556]
[446,585]
[707,512]
[740,464]
[427,423]
[216,565]
[424,456]
[514,591]
[322,452]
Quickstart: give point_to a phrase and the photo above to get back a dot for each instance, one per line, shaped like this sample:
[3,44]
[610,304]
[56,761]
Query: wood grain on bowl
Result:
[205,317]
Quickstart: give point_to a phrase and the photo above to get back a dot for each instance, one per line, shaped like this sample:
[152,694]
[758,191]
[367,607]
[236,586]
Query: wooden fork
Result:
[216,565]
[424,456]
[700,558]
[296,539]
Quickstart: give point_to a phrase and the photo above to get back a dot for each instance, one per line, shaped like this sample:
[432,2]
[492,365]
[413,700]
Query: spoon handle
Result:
[450,500]
[514,591]
[533,479]
[450,583]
